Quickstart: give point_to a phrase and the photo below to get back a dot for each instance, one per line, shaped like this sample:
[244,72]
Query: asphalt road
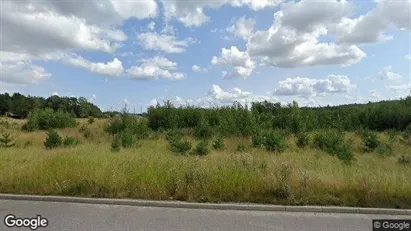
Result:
[90,217]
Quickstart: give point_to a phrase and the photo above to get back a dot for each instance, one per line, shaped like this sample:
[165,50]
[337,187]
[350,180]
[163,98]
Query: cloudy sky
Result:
[206,52]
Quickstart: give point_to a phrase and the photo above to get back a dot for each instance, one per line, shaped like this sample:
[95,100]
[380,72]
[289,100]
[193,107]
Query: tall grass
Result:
[152,171]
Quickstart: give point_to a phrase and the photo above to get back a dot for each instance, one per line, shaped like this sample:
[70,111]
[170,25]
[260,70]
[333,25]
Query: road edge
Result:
[215,206]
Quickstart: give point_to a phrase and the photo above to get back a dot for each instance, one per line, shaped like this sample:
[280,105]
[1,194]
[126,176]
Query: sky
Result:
[206,52]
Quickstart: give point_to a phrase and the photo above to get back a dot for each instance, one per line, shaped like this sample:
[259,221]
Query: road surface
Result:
[90,217]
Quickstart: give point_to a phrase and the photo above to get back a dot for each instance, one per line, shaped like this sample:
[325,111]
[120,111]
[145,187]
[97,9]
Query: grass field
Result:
[149,170]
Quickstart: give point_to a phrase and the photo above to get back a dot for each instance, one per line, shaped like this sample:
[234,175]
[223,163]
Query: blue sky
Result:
[207,52]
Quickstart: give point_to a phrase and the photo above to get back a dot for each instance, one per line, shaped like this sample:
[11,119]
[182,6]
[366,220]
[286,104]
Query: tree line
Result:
[242,120]
[23,105]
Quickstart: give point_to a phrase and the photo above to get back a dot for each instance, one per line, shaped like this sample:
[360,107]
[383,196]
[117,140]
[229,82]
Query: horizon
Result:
[207,53]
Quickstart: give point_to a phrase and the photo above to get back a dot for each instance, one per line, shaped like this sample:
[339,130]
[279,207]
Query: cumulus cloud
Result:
[22,73]
[311,87]
[243,27]
[191,13]
[49,30]
[217,94]
[154,68]
[388,74]
[371,27]
[113,68]
[163,42]
[293,39]
[241,63]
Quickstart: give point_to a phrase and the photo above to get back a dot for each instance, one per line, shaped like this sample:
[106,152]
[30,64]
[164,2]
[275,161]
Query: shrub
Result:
[258,140]
[70,141]
[333,142]
[274,141]
[116,143]
[86,131]
[218,143]
[241,148]
[203,131]
[90,120]
[370,140]
[303,139]
[384,149]
[201,148]
[53,140]
[180,146]
[114,126]
[45,119]
[174,134]
[127,138]
[404,160]
[6,140]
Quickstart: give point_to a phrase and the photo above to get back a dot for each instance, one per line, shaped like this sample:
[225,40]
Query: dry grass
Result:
[151,171]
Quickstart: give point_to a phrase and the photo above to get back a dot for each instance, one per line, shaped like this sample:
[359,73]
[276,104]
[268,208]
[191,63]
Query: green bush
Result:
[45,119]
[303,139]
[384,149]
[174,134]
[180,146]
[334,143]
[203,131]
[218,143]
[201,148]
[127,138]
[116,143]
[53,140]
[370,140]
[275,142]
[258,140]
[6,141]
[114,126]
[70,141]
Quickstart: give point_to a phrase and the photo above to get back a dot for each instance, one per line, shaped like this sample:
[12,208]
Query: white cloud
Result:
[312,87]
[293,39]
[55,94]
[43,32]
[197,68]
[49,30]
[218,95]
[408,57]
[154,68]
[402,89]
[388,74]
[163,42]
[22,72]
[191,13]
[243,27]
[371,27]
[242,64]
[113,68]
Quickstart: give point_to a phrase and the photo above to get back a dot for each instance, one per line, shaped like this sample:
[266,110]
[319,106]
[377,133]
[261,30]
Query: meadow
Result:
[240,170]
